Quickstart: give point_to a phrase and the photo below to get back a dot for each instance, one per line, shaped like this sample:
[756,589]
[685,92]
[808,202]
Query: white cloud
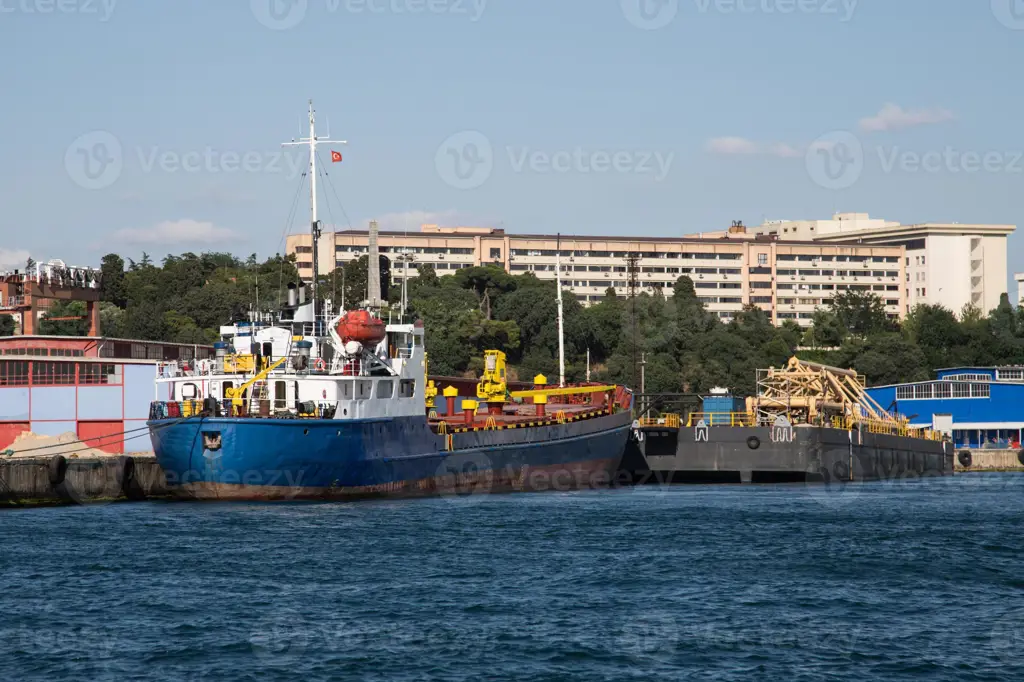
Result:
[895,117]
[785,151]
[175,232]
[733,146]
[11,259]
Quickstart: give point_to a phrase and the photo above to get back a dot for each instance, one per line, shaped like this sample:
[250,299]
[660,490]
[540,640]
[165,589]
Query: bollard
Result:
[450,394]
[469,411]
[540,401]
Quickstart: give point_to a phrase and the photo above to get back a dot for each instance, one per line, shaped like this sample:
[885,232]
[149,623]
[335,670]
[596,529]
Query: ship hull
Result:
[766,455]
[286,459]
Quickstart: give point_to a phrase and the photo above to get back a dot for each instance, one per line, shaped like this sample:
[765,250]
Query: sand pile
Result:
[67,444]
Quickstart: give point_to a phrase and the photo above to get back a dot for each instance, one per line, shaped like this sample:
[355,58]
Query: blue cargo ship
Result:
[322,406]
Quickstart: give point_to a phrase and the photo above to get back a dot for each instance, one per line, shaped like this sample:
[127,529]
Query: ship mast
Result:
[561,326]
[312,141]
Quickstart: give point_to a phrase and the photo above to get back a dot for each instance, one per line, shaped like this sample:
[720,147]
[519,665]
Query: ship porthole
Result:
[753,442]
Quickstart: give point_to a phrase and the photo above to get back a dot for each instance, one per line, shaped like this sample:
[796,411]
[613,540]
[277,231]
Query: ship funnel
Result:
[373,269]
[293,295]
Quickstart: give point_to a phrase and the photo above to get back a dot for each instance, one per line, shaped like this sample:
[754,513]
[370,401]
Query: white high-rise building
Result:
[949,264]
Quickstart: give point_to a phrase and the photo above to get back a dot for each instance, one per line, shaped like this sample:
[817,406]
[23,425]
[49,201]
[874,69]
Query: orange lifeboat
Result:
[361,326]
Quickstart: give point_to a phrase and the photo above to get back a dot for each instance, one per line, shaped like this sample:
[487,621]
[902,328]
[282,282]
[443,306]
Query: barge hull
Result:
[764,455]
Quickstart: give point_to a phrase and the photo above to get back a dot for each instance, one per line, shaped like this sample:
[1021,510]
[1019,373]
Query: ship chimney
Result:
[373,269]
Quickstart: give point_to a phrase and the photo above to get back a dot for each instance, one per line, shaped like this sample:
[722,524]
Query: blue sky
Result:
[581,116]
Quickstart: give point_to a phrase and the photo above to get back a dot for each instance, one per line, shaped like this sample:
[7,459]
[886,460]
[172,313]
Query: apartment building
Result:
[949,264]
[788,279]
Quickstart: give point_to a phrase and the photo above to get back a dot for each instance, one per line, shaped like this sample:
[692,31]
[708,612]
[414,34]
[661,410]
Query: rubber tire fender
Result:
[753,442]
[841,470]
[965,458]
[57,469]
[127,466]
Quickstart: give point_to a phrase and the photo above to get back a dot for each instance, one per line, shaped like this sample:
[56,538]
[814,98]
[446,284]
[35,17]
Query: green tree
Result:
[862,313]
[490,282]
[112,280]
[890,359]
[7,325]
[937,332]
[826,330]
[65,318]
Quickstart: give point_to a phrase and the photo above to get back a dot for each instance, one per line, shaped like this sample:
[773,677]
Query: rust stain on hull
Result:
[595,474]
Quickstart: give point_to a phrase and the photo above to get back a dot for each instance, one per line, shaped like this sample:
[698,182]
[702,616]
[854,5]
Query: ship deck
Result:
[741,452]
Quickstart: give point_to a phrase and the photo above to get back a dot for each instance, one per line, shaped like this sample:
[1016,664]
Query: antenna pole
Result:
[561,328]
[312,141]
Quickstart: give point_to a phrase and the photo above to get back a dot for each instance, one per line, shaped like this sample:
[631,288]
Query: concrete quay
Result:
[59,480]
[989,460]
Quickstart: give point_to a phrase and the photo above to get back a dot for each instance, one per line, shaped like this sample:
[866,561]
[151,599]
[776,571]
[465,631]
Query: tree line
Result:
[682,346]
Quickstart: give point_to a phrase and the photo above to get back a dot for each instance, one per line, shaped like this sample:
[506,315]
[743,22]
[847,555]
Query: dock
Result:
[59,480]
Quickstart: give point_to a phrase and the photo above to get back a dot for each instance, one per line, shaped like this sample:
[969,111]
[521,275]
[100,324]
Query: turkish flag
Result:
[335,156]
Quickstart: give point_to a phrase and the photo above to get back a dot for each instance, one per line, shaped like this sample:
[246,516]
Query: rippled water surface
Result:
[916,581]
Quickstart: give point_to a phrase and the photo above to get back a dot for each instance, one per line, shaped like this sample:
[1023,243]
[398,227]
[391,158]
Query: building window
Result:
[495,254]
[13,373]
[762,259]
[93,373]
[967,377]
[53,373]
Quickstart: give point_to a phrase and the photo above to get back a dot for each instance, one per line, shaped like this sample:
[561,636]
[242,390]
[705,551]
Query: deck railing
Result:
[668,421]
[721,419]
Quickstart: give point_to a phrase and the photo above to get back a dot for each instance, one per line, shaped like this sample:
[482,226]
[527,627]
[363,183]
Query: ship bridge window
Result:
[385,388]
[407,388]
[189,391]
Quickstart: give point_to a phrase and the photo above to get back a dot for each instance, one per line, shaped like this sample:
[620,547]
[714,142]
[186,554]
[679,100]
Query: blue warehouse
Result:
[979,407]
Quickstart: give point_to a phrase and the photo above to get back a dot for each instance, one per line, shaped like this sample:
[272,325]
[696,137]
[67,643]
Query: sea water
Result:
[916,580]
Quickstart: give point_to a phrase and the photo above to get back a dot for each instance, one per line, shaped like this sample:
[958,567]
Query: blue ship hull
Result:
[284,459]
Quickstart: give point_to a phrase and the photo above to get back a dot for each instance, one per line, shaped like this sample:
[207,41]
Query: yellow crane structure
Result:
[237,394]
[812,393]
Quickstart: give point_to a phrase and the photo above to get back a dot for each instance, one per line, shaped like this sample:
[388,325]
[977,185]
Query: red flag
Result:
[335,156]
